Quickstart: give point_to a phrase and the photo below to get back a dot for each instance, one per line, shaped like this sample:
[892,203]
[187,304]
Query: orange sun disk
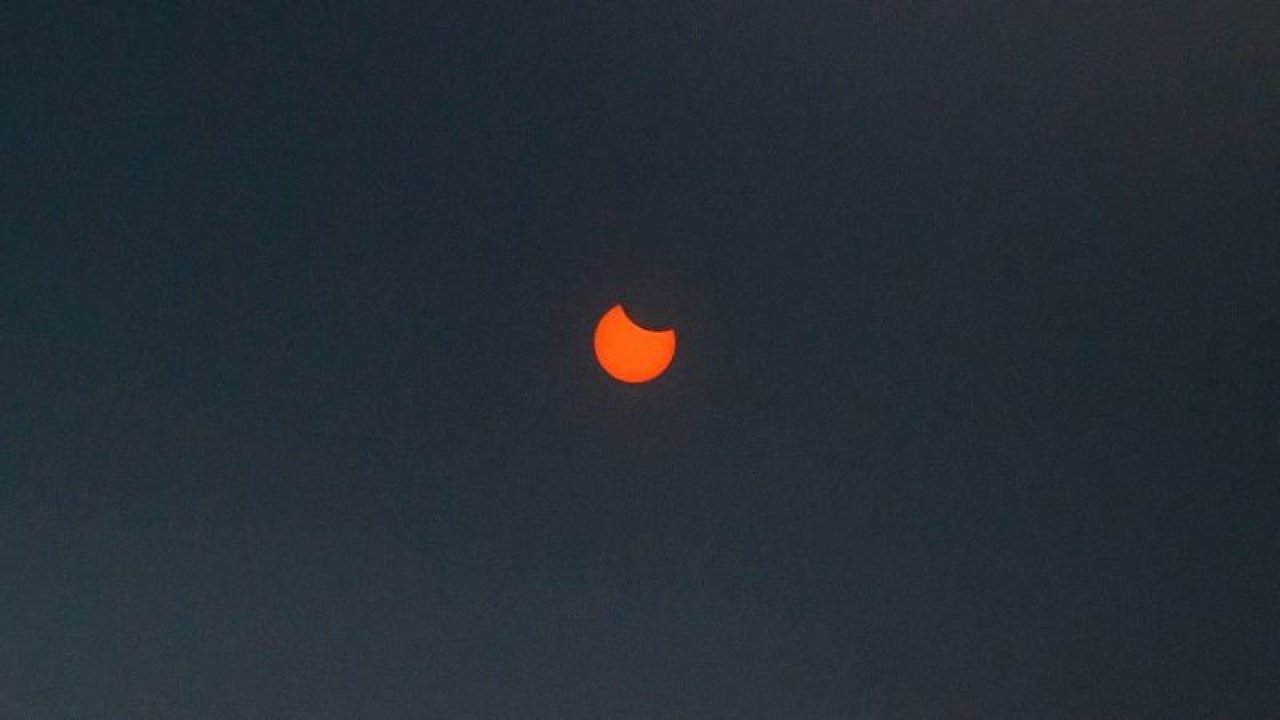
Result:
[629,352]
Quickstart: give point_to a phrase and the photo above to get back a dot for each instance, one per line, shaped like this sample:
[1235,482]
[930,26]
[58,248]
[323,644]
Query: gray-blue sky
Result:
[975,410]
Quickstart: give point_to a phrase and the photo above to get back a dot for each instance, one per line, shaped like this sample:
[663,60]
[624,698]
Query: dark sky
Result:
[976,411]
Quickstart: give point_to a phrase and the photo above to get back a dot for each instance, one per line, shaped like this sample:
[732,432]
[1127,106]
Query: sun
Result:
[630,353]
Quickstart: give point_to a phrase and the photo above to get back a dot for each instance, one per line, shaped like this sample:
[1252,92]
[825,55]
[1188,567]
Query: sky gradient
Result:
[976,410]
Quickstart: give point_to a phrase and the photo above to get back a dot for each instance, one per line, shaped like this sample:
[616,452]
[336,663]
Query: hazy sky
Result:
[976,409]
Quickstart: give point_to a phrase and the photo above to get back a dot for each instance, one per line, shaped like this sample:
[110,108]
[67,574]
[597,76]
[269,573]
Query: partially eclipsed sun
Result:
[629,352]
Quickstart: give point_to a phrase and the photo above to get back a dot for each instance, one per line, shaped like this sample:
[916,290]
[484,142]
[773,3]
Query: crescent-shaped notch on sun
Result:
[630,353]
